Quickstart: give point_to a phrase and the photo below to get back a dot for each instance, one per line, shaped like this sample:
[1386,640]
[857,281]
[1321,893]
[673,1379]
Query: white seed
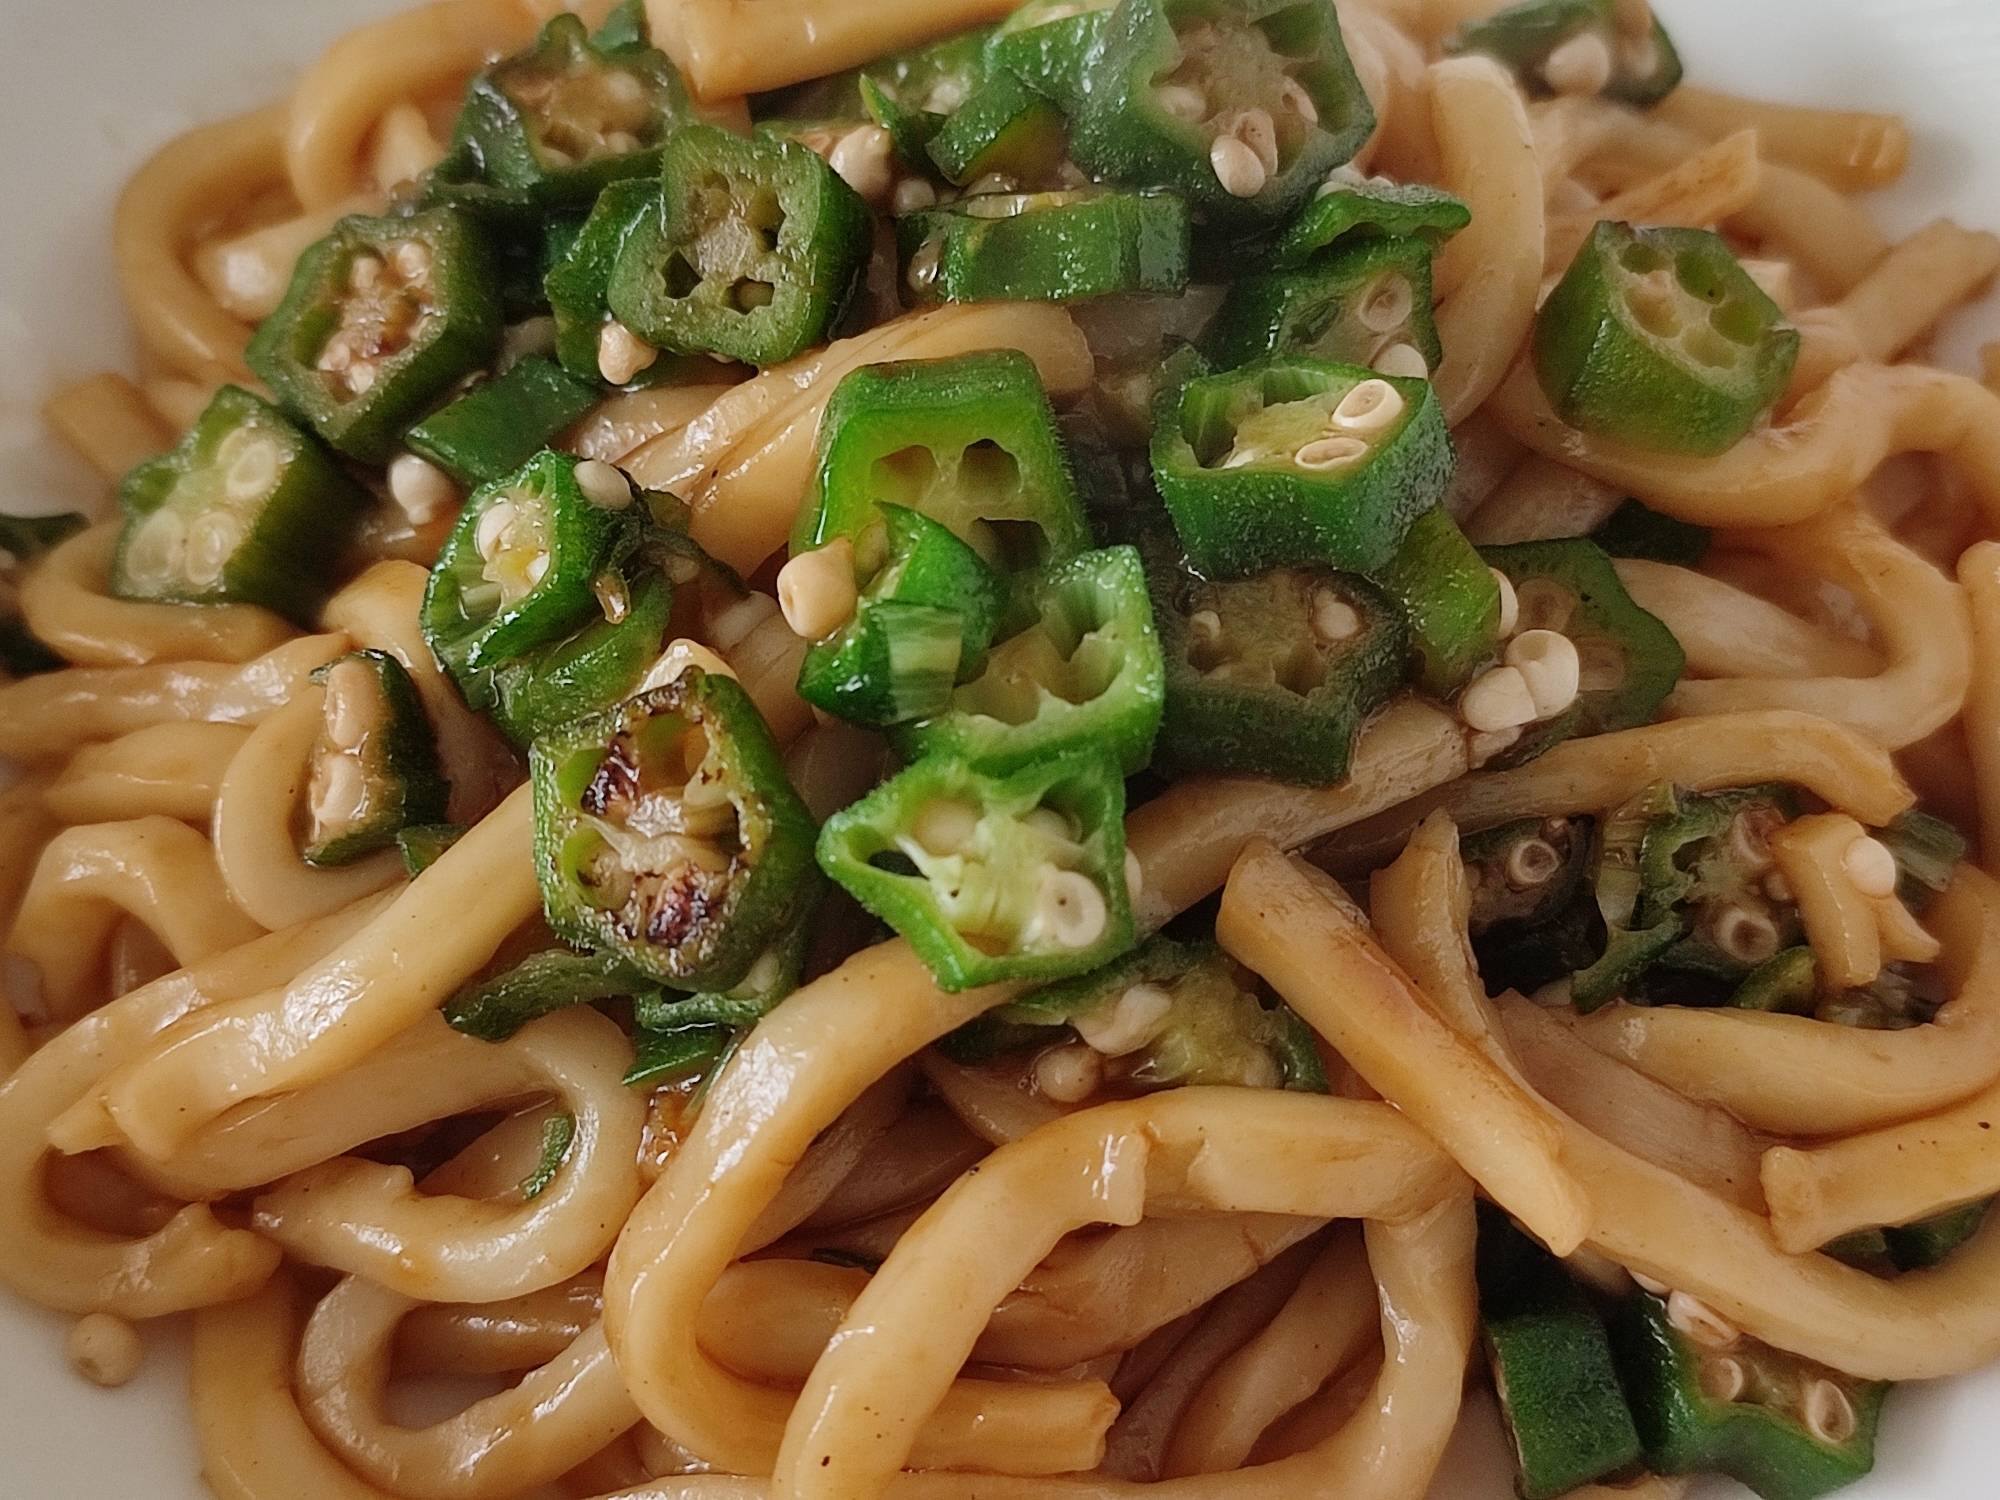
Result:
[157,554]
[1483,747]
[912,194]
[1068,1075]
[1746,934]
[350,687]
[491,531]
[537,569]
[340,791]
[1829,1414]
[945,826]
[862,161]
[614,599]
[1205,625]
[924,264]
[1723,1379]
[1871,867]
[413,260]
[1051,825]
[421,488]
[1323,454]
[1580,66]
[621,142]
[816,590]
[946,95]
[992,182]
[105,1349]
[1700,1322]
[1404,361]
[682,653]
[1777,888]
[1532,863]
[212,541]
[1182,102]
[1135,877]
[1371,407]
[1122,1028]
[255,470]
[1647,1283]
[1256,129]
[1388,304]
[364,273]
[604,485]
[1510,603]
[1242,458]
[1748,847]
[1237,168]
[1498,699]
[1334,620]
[1069,911]
[622,354]
[1299,102]
[1547,661]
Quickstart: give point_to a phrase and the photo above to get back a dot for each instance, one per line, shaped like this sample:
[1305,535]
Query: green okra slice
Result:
[1348,207]
[759,248]
[1632,530]
[381,317]
[24,541]
[1292,460]
[423,844]
[1004,128]
[660,1057]
[374,766]
[1053,46]
[667,833]
[992,877]
[1659,338]
[1706,1401]
[542,983]
[1534,917]
[913,94]
[1612,47]
[1353,306]
[774,976]
[558,1131]
[1061,246]
[493,429]
[578,283]
[1243,106]
[1086,671]
[600,664]
[1450,599]
[1786,983]
[246,509]
[1272,675]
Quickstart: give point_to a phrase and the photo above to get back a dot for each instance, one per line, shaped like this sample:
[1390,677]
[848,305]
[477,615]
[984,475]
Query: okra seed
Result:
[1372,406]
[254,471]
[421,488]
[912,194]
[1237,168]
[349,688]
[1700,1322]
[1748,846]
[1256,129]
[1241,458]
[1299,102]
[1547,660]
[816,590]
[1205,625]
[1871,867]
[946,95]
[1388,304]
[1532,863]
[1510,603]
[1723,1379]
[945,826]
[212,541]
[537,569]
[621,142]
[604,485]
[1051,825]
[1069,910]
[862,161]
[1580,66]
[105,1349]
[613,597]
[364,273]
[1323,454]
[1123,1028]
[1777,888]
[1404,361]
[158,552]
[1135,876]
[413,260]
[1069,1074]
[622,354]
[1648,1283]
[1334,620]
[1182,102]
[1498,699]
[1829,1414]
[1746,934]
[992,182]
[340,791]
[924,265]
[493,527]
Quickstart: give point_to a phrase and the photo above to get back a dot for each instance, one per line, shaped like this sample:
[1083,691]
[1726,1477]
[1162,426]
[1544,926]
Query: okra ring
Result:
[171,769]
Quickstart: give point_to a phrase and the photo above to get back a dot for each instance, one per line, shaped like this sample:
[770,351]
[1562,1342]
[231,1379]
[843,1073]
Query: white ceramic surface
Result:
[88,89]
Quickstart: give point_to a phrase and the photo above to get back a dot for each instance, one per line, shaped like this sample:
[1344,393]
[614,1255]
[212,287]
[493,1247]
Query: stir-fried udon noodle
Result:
[1400,784]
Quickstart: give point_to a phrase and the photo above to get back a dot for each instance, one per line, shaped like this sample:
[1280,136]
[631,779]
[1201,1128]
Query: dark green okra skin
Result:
[24,541]
[1449,597]
[600,664]
[1350,306]
[992,877]
[494,1009]
[376,741]
[1227,56]
[912,95]
[381,317]
[1645,68]
[1005,128]
[688,872]
[759,248]
[1063,246]
[423,844]
[774,976]
[246,509]
[1053,46]
[1658,338]
[492,430]
[578,285]
[1343,212]
[1260,467]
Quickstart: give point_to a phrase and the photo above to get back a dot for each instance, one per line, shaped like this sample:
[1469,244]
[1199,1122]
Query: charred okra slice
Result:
[247,509]
[1613,47]
[1450,599]
[600,664]
[1293,460]
[1087,671]
[667,833]
[926,605]
[1167,1014]
[1366,304]
[565,117]
[992,877]
[492,430]
[1707,1398]
[913,94]
[1657,337]
[1349,207]
[1004,128]
[1273,675]
[1552,1367]
[521,567]
[1241,105]
[774,976]
[759,248]
[374,767]
[381,317]
[968,441]
[1045,247]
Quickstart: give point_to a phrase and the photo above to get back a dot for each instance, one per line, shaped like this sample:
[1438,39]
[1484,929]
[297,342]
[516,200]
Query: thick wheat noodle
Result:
[1792,1075]
[1396,74]
[1979,575]
[106,419]
[1713,184]
[1729,632]
[497,1338]
[156,869]
[831,1158]
[67,603]
[1540,499]
[911,1162]
[174,770]
[1846,149]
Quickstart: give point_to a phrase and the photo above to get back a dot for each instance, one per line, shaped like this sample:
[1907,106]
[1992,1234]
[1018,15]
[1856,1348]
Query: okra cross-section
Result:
[1059,246]
[1242,105]
[992,877]
[1365,304]
[1297,460]
[493,429]
[247,509]
[374,767]
[912,94]
[1613,47]
[667,832]
[602,662]
[758,249]
[1658,337]
[1348,207]
[380,318]
[1086,671]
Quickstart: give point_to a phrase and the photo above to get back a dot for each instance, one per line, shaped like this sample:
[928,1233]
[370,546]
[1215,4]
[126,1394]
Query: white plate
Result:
[87,90]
